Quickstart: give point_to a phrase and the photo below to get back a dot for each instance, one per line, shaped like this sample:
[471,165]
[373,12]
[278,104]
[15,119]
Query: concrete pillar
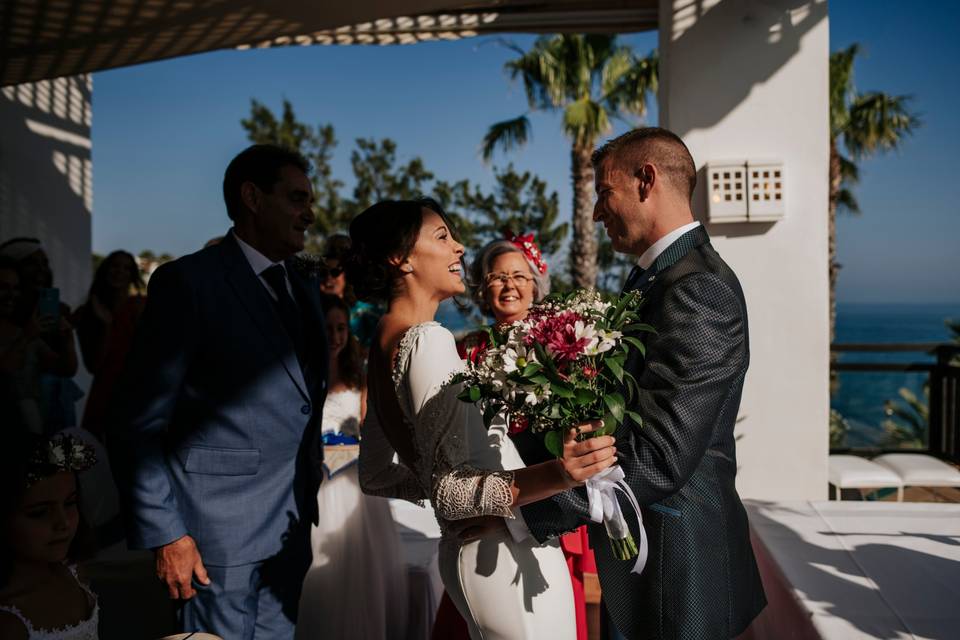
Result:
[46,174]
[748,80]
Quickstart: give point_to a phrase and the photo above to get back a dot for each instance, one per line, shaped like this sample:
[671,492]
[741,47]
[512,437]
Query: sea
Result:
[860,396]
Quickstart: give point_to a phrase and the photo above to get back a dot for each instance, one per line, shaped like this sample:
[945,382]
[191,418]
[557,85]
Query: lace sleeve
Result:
[380,475]
[451,433]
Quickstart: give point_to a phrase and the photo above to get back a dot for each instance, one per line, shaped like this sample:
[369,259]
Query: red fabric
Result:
[111,365]
[449,625]
[472,346]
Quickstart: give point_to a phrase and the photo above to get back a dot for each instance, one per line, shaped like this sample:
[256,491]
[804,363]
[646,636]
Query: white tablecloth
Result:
[889,571]
[419,535]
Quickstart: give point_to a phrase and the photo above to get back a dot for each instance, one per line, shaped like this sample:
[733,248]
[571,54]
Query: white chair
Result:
[854,472]
[920,470]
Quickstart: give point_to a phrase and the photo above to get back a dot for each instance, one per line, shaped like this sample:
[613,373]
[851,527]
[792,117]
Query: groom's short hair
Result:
[656,146]
[259,164]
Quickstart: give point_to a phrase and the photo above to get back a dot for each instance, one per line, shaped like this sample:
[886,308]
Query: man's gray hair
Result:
[480,268]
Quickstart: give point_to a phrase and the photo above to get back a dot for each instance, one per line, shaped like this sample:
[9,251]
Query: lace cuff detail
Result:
[468,493]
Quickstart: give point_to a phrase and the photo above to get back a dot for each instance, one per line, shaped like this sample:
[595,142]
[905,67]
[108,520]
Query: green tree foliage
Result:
[590,80]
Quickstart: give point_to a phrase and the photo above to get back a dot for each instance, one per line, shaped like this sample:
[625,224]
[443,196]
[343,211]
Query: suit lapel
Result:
[258,304]
[307,294]
[670,256]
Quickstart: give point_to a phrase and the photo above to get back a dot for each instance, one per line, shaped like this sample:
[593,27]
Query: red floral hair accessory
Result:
[528,245]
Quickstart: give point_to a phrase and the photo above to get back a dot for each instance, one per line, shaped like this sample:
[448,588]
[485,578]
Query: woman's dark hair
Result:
[337,247]
[101,288]
[349,361]
[388,229]
[259,164]
[14,465]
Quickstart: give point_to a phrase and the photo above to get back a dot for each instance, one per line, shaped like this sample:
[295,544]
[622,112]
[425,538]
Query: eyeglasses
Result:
[499,280]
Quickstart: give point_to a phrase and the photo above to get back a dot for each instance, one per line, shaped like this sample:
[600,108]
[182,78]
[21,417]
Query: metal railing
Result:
[943,428]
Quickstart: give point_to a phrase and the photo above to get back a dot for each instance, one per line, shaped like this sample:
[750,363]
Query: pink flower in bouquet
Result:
[560,336]
[590,372]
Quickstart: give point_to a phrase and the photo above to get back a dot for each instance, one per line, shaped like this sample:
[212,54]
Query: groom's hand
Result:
[177,563]
[584,459]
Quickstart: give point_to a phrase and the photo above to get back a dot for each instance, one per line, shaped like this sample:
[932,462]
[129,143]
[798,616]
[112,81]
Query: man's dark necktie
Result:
[636,275]
[286,307]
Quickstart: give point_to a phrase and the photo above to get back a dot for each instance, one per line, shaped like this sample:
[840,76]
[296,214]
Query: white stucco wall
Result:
[46,175]
[748,79]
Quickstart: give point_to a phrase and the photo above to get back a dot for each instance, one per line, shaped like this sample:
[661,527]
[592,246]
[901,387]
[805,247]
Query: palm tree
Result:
[863,124]
[591,79]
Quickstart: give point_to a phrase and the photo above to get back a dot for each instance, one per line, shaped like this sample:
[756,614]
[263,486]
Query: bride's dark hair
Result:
[388,229]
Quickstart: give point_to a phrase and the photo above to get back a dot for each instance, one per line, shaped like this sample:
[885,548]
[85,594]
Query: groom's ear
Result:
[250,195]
[646,178]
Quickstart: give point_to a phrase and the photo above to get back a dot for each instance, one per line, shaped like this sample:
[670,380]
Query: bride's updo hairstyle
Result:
[385,230]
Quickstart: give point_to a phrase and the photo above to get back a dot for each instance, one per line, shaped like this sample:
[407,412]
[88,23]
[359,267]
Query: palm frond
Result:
[585,120]
[849,171]
[842,89]
[507,135]
[847,202]
[878,122]
[628,89]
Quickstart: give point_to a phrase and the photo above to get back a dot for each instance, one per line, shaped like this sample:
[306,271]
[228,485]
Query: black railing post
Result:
[935,425]
[945,404]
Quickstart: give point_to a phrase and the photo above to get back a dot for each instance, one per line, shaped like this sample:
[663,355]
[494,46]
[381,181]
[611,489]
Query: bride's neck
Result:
[414,309]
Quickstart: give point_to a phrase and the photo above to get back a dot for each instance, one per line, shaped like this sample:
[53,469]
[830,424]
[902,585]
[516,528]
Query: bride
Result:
[420,442]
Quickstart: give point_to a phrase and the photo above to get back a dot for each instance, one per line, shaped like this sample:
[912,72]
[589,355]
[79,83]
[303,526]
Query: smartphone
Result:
[48,304]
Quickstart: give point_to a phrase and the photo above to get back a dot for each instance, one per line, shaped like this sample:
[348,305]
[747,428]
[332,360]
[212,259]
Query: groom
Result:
[701,579]
[218,450]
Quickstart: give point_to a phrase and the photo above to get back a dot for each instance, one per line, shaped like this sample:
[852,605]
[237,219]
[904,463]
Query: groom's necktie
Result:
[636,275]
[286,307]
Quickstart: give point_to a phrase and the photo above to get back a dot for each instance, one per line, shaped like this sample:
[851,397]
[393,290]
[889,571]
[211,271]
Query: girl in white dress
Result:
[356,585]
[420,441]
[40,521]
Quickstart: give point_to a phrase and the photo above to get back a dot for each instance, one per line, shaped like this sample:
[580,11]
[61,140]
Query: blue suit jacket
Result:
[219,432]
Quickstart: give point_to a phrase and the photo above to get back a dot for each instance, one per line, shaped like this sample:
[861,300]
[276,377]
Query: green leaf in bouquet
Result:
[474,394]
[616,406]
[585,396]
[532,369]
[633,389]
[540,379]
[464,395]
[554,412]
[545,359]
[608,428]
[638,327]
[637,344]
[554,443]
[562,390]
[615,365]
[636,417]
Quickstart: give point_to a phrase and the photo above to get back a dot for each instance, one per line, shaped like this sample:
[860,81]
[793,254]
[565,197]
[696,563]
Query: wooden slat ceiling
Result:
[50,38]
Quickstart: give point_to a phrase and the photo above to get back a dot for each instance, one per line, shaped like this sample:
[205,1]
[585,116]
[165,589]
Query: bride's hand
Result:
[583,460]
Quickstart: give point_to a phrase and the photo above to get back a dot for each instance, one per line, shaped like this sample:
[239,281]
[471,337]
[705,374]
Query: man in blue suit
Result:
[218,446]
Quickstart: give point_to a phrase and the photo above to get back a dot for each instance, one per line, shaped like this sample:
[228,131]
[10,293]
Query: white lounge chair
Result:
[854,472]
[920,470]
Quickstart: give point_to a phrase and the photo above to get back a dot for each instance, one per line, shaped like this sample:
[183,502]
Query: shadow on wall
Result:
[46,174]
[768,34]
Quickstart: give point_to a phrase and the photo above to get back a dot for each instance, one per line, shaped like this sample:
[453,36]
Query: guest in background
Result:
[38,298]
[40,527]
[24,356]
[364,316]
[356,585]
[508,276]
[105,327]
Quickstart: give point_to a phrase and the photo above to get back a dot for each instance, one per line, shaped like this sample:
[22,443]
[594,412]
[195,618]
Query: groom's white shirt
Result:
[650,256]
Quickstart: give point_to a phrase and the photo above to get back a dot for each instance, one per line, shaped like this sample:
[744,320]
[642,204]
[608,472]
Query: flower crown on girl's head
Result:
[60,452]
[528,245]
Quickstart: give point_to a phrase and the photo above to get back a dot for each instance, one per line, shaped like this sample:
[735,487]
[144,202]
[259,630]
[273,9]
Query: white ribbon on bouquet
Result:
[602,497]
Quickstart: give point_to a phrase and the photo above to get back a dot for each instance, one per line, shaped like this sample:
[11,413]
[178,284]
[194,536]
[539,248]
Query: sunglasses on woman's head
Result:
[330,272]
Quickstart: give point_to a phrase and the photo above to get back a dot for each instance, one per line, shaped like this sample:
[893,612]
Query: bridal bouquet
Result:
[562,366]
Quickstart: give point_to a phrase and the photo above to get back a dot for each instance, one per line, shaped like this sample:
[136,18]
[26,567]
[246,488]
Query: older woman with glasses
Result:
[508,276]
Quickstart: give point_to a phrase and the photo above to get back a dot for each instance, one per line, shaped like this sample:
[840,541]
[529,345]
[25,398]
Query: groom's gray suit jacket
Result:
[701,579]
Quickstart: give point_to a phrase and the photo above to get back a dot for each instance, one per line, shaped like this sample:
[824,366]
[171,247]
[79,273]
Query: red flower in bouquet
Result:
[559,335]
[518,424]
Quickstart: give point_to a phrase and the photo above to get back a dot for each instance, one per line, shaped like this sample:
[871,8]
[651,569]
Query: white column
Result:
[46,174]
[748,79]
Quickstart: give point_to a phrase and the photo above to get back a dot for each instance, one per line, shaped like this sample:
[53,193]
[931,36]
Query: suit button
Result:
[305,409]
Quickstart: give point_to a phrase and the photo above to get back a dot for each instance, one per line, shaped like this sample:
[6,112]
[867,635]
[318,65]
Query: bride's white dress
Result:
[356,586]
[508,587]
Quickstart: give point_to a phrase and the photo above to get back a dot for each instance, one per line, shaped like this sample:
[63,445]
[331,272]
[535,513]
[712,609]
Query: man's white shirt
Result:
[650,256]
[260,263]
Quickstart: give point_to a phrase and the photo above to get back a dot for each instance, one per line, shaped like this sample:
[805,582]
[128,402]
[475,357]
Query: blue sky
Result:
[163,133]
